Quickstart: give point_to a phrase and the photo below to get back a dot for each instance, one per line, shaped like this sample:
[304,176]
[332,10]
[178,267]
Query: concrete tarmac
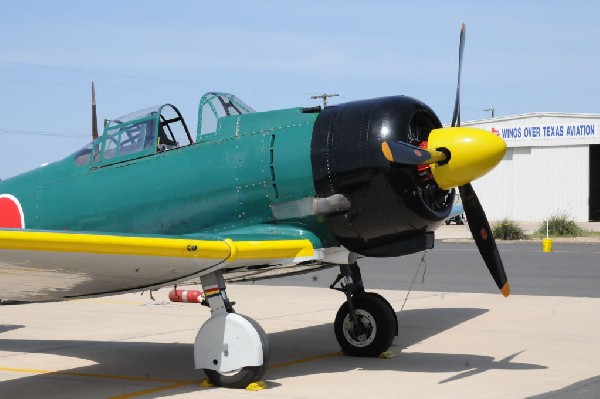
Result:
[451,345]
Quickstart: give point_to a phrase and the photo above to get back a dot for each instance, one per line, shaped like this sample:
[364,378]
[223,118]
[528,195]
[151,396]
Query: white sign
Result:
[560,132]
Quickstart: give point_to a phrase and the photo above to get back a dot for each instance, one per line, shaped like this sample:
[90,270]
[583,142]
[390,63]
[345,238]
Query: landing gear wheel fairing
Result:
[244,376]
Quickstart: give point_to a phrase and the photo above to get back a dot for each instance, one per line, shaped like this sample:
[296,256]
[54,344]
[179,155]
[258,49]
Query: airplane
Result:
[252,195]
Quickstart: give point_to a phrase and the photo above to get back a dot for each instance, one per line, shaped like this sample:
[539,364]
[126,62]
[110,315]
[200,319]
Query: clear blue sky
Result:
[525,56]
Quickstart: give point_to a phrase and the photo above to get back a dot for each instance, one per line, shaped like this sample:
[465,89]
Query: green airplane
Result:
[251,195]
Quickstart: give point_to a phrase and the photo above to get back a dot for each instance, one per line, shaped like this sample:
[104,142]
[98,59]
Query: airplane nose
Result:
[473,153]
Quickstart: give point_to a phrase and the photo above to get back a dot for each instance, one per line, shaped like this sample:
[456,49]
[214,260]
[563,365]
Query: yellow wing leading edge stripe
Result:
[280,249]
[153,246]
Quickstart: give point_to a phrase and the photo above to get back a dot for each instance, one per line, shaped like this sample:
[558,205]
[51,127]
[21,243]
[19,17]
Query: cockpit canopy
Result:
[157,129]
[214,106]
[137,134]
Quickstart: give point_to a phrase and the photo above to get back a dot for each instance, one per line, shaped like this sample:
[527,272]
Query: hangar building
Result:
[551,166]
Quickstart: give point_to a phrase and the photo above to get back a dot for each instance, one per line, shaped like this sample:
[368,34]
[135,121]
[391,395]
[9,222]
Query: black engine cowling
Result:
[393,206]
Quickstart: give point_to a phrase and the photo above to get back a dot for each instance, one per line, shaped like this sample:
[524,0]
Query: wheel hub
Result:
[364,333]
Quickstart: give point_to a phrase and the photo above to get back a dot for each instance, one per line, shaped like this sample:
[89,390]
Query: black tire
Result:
[390,308]
[459,220]
[241,378]
[377,326]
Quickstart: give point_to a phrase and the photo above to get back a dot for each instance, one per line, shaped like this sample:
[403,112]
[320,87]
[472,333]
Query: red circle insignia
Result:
[417,152]
[11,213]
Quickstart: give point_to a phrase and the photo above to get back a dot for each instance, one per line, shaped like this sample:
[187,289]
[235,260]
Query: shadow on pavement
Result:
[9,327]
[586,389]
[160,364]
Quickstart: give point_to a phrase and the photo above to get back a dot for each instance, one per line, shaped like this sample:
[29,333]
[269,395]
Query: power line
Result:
[198,90]
[41,133]
[45,82]
[119,75]
[209,85]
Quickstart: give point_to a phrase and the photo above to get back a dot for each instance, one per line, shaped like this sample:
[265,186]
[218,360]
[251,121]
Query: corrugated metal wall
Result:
[533,183]
[546,168]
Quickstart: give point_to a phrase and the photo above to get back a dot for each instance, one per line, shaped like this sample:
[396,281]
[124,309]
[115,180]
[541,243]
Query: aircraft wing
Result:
[53,265]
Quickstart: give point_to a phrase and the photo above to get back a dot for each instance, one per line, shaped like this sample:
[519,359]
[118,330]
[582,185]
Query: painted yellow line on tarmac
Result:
[305,360]
[173,384]
[187,383]
[154,390]
[93,375]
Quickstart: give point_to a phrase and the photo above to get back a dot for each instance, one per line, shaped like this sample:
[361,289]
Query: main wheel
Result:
[375,330]
[390,308]
[244,376]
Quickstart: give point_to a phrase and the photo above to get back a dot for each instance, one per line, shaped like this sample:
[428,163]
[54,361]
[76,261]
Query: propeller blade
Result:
[473,153]
[408,154]
[456,113]
[480,228]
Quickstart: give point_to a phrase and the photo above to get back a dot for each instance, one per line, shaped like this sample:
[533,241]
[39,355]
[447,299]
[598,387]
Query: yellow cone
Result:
[473,153]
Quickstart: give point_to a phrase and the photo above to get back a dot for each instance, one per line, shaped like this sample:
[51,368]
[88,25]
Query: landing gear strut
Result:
[232,349]
[366,324]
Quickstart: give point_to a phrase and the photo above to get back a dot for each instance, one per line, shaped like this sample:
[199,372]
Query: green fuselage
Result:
[225,181]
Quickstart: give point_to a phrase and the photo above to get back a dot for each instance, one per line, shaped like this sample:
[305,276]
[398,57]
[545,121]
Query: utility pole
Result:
[493,110]
[324,97]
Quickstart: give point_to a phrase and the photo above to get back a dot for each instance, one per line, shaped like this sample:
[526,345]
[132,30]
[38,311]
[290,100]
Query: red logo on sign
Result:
[11,213]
